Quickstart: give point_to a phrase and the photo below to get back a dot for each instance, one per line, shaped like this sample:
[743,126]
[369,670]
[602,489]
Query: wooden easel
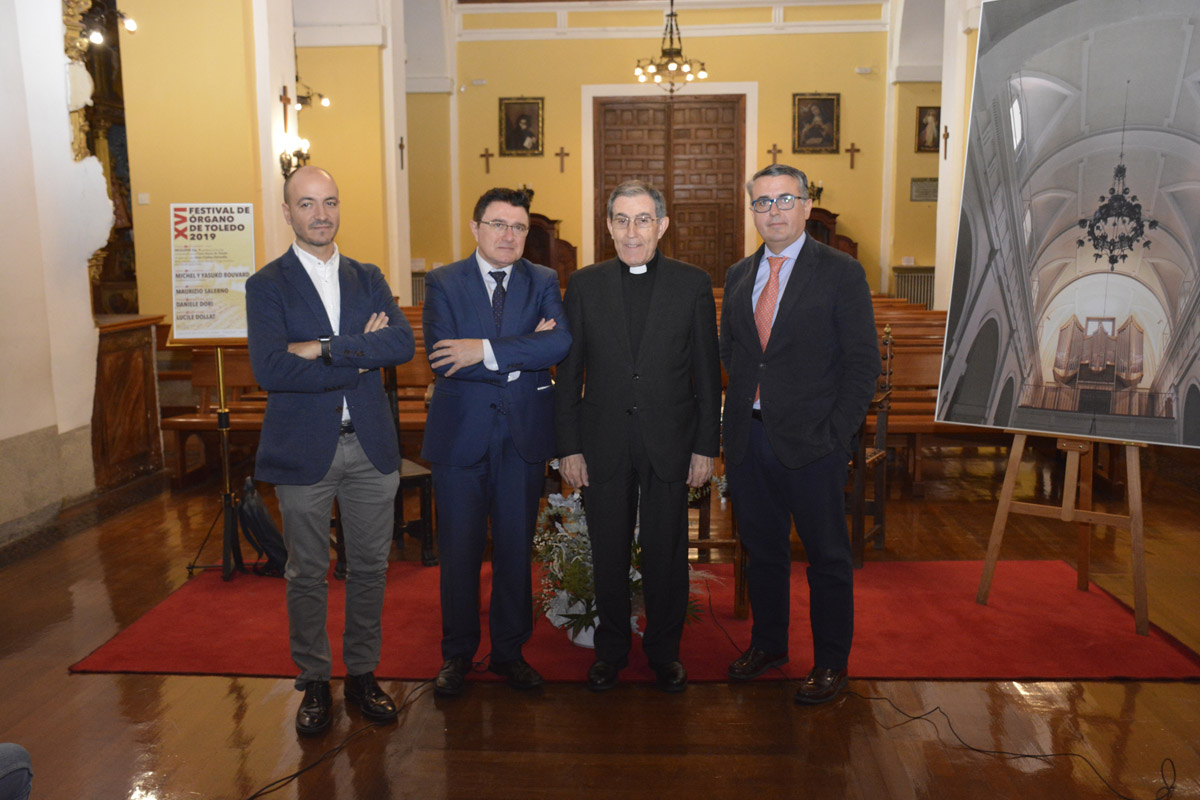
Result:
[1069,513]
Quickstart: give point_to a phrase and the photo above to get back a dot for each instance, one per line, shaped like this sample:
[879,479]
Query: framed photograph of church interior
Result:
[521,131]
[929,119]
[815,121]
[1074,304]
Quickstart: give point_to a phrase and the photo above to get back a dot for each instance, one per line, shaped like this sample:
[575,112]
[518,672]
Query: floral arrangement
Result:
[567,590]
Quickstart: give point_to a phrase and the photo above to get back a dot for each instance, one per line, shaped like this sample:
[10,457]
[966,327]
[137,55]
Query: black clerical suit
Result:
[646,345]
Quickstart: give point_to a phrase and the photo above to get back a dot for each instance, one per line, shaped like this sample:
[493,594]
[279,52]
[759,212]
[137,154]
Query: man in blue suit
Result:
[496,325]
[320,326]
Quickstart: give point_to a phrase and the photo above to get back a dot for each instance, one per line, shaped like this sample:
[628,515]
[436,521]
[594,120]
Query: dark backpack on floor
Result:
[261,532]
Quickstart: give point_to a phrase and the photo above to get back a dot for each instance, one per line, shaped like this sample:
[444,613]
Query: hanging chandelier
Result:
[670,69]
[1117,225]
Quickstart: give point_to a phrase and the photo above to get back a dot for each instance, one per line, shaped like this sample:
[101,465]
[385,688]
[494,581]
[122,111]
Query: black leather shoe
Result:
[754,662]
[452,677]
[364,692]
[672,677]
[603,675]
[821,686]
[316,709]
[518,672]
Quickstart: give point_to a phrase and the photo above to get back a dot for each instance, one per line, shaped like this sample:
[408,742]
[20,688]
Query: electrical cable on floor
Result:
[1165,791]
[415,694]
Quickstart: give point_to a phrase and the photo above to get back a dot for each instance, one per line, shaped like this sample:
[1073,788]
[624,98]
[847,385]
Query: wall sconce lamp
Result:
[304,98]
[294,156]
[94,23]
[816,191]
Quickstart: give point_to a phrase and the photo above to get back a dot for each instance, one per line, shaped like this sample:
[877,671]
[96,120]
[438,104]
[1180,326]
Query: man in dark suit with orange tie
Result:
[798,342]
[496,325]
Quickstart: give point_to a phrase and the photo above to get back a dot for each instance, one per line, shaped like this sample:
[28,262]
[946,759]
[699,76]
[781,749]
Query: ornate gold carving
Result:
[96,264]
[75,44]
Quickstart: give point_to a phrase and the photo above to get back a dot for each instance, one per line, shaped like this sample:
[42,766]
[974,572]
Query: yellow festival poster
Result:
[212,255]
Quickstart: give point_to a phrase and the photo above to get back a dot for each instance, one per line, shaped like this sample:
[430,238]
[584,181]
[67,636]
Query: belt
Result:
[347,427]
[756,414]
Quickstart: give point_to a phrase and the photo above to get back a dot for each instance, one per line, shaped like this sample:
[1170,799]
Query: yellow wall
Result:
[347,140]
[190,115]
[914,225]
[426,159]
[824,63]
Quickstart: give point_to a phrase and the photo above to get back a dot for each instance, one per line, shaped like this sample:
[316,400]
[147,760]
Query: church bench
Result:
[246,406]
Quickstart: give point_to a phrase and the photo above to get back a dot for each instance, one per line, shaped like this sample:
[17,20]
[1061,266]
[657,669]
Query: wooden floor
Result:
[172,737]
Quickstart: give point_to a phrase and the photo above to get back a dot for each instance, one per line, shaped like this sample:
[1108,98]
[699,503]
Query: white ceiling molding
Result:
[340,36]
[561,31]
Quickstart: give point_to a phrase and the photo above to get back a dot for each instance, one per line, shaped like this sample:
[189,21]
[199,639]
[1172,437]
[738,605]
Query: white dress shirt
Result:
[489,357]
[324,275]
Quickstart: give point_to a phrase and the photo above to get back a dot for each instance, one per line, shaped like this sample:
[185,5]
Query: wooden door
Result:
[693,150]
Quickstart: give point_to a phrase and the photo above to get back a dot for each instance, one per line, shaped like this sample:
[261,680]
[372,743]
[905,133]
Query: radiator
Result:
[914,284]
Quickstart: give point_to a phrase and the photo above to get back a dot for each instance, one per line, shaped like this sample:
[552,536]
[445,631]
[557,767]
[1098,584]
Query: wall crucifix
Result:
[852,150]
[945,142]
[287,103]
[774,151]
[486,155]
[562,158]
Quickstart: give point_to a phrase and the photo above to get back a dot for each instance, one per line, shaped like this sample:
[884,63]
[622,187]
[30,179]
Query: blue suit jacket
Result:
[304,398]
[457,306]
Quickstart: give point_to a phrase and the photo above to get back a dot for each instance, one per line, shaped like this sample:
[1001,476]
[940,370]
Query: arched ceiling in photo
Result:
[1099,82]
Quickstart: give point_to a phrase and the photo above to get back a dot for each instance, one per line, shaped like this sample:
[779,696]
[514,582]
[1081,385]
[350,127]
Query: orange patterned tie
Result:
[764,312]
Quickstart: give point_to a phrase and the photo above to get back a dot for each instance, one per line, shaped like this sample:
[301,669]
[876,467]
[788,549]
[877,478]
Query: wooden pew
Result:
[246,411]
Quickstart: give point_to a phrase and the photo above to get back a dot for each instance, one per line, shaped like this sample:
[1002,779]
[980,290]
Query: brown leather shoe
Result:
[452,677]
[518,672]
[364,692]
[821,686]
[602,675]
[754,662]
[671,677]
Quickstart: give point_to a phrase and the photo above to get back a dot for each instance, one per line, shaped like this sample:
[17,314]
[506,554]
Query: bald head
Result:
[310,206]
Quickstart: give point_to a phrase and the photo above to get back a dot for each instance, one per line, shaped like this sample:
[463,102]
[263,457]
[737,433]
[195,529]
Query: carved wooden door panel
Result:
[693,150]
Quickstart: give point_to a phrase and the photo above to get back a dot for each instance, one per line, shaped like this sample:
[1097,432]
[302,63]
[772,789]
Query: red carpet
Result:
[914,620]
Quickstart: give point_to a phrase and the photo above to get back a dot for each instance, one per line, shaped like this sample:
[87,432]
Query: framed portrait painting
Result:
[521,130]
[815,122]
[929,123]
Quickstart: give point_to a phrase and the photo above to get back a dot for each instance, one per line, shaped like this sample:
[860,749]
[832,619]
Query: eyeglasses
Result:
[641,222]
[784,203]
[500,227]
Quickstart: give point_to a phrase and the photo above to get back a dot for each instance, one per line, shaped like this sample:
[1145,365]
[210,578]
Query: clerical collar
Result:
[644,268]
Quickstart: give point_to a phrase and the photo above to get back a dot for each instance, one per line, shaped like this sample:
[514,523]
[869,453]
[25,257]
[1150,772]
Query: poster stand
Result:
[1068,512]
[231,552]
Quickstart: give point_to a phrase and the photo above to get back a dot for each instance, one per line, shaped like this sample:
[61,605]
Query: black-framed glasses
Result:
[499,227]
[641,222]
[784,202]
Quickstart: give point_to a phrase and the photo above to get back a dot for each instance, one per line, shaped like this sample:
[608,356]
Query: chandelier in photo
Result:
[670,69]
[1117,225]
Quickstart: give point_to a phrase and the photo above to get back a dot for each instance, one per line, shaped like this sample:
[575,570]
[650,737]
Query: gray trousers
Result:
[16,772]
[365,501]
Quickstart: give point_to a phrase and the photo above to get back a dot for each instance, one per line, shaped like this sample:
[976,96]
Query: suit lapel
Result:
[519,286]
[475,290]
[294,272]
[349,312]
[660,297]
[741,302]
[614,308]
[802,274]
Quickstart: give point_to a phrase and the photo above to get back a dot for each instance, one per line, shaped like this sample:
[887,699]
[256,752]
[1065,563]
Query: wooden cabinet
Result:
[126,437]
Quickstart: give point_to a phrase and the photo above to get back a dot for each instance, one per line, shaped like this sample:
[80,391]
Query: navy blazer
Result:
[819,371]
[461,413]
[304,398]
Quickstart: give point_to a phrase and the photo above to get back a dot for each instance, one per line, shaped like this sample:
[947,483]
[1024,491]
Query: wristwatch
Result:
[326,352]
